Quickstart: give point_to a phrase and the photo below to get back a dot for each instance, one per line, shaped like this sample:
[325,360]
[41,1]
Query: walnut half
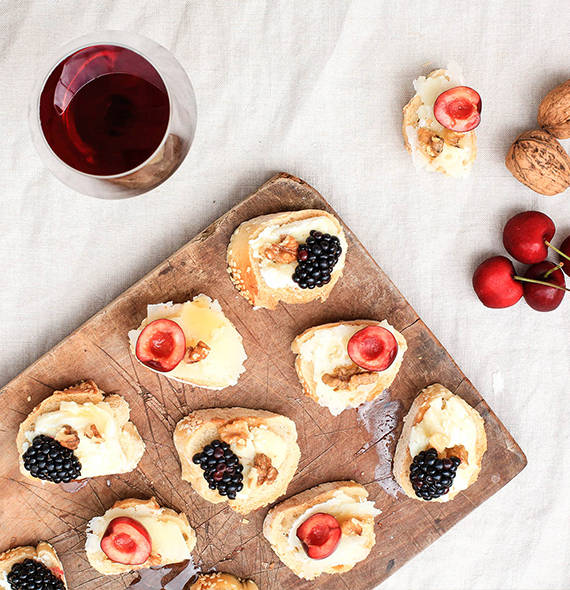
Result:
[67,437]
[284,251]
[196,353]
[351,527]
[266,473]
[348,378]
[92,432]
[430,142]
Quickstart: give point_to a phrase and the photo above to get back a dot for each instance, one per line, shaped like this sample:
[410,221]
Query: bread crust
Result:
[402,457]
[243,268]
[411,119]
[200,427]
[305,370]
[43,552]
[84,392]
[221,581]
[104,565]
[280,519]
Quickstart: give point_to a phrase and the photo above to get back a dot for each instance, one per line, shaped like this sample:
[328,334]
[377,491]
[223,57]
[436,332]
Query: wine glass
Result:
[113,115]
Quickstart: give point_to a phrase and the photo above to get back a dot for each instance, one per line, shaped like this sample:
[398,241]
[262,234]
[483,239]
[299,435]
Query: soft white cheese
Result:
[261,439]
[202,319]
[448,421]
[167,538]
[351,548]
[97,455]
[452,159]
[278,275]
[327,350]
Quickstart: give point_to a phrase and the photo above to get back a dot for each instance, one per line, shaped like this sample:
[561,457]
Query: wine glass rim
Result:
[115,43]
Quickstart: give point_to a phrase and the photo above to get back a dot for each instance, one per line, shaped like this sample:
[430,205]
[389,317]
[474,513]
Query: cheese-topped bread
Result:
[329,375]
[170,538]
[276,258]
[441,432]
[218,581]
[244,457]
[433,147]
[23,563]
[87,429]
[288,526]
[212,353]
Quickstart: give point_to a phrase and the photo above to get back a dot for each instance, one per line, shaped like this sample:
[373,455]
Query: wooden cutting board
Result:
[332,448]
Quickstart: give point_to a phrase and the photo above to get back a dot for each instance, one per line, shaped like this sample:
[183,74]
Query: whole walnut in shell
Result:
[538,160]
[554,111]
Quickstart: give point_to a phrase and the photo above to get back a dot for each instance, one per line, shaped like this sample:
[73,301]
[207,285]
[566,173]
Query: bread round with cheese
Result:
[433,147]
[221,581]
[100,434]
[43,552]
[261,261]
[265,444]
[328,374]
[203,323]
[172,537]
[347,502]
[452,427]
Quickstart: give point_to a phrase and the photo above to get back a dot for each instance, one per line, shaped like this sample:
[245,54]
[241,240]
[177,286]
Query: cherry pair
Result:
[527,237]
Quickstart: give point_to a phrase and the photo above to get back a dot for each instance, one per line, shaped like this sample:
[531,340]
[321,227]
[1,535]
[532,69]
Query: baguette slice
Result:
[115,445]
[422,431]
[264,283]
[202,320]
[44,553]
[172,538]
[432,146]
[250,434]
[347,502]
[322,349]
[217,581]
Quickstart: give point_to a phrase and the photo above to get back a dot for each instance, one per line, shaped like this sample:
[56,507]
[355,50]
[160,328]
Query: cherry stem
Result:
[557,250]
[549,272]
[545,283]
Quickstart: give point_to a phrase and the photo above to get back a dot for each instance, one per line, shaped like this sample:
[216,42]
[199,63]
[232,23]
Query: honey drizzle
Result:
[169,577]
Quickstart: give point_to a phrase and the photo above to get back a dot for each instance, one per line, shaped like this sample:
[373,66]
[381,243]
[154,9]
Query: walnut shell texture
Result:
[554,111]
[538,160]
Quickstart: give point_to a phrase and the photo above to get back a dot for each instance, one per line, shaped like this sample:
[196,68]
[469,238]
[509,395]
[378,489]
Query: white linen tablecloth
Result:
[315,88]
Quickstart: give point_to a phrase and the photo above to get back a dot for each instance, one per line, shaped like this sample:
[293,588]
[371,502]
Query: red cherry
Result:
[458,109]
[527,235]
[564,255]
[373,348]
[161,345]
[126,541]
[495,284]
[542,297]
[320,535]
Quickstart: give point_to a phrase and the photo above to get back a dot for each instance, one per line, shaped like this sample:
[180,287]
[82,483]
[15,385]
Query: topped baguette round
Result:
[353,511]
[131,444]
[244,267]
[403,459]
[43,553]
[193,433]
[419,138]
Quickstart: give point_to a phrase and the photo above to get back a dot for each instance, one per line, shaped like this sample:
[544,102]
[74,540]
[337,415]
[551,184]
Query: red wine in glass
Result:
[104,110]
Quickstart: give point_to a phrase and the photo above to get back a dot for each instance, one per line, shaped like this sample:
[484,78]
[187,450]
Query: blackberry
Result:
[47,459]
[33,575]
[222,469]
[430,476]
[316,259]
